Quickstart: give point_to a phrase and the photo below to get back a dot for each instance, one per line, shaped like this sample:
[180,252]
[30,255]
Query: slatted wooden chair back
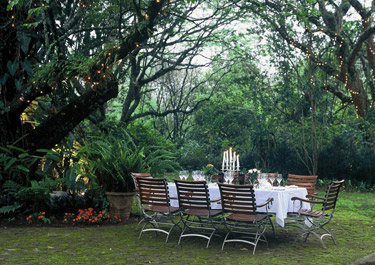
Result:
[192,194]
[135,175]
[238,199]
[331,195]
[153,191]
[307,182]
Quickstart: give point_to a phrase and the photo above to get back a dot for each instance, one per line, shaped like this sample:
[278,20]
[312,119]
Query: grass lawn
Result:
[353,226]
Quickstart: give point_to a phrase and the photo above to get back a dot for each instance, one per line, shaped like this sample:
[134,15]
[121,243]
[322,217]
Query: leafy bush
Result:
[39,218]
[27,199]
[112,157]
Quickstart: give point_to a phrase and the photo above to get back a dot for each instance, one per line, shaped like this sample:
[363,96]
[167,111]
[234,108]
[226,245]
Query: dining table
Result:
[281,205]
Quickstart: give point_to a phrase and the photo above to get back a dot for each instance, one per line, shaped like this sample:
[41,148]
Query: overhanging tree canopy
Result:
[337,36]
[44,61]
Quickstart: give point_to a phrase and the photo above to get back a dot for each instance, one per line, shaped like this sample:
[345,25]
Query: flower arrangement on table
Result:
[251,176]
[210,170]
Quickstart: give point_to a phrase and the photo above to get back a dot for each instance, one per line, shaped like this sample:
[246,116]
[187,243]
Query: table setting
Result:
[266,185]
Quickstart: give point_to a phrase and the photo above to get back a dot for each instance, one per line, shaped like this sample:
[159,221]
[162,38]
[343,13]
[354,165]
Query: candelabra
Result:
[230,165]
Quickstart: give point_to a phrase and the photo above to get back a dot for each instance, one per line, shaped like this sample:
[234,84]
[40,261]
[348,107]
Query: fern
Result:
[10,208]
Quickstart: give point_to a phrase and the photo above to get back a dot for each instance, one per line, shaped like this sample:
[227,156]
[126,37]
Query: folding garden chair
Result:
[314,221]
[155,205]
[301,181]
[240,215]
[137,198]
[195,208]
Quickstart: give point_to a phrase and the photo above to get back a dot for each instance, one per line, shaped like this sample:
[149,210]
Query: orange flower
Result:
[43,213]
[66,213]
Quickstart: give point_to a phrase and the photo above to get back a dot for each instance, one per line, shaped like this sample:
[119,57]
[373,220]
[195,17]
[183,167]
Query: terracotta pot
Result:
[120,203]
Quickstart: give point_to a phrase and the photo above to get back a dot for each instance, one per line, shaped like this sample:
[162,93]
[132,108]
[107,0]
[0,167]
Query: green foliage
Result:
[113,156]
[38,218]
[113,161]
[24,199]
[15,163]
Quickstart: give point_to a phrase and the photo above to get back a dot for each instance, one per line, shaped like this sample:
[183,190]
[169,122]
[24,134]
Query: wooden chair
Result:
[313,221]
[307,182]
[195,208]
[134,175]
[155,205]
[240,215]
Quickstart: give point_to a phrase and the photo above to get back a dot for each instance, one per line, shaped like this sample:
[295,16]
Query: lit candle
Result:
[234,161]
[222,165]
[230,158]
[227,160]
[238,162]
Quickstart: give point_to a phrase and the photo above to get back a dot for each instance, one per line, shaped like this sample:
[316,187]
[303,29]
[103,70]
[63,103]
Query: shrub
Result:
[89,216]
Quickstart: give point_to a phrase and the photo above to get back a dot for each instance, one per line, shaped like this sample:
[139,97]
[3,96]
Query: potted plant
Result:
[114,158]
[113,161]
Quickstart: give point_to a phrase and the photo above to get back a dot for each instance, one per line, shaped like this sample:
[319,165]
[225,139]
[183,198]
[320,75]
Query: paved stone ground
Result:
[368,260]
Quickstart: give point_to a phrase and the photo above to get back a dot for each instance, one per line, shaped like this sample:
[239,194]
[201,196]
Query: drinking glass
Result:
[196,175]
[229,176]
[271,178]
[201,175]
[184,174]
[279,179]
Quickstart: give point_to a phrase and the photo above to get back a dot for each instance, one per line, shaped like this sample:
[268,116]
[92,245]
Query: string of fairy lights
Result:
[89,80]
[336,38]
[343,75]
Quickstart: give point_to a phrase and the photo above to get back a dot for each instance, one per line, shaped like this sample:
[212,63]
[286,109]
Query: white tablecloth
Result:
[281,205]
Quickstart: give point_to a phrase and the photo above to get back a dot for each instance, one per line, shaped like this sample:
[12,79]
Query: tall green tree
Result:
[337,36]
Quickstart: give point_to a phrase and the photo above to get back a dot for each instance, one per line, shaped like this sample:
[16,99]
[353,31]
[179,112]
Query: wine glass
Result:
[196,175]
[184,174]
[279,179]
[201,175]
[229,176]
[271,178]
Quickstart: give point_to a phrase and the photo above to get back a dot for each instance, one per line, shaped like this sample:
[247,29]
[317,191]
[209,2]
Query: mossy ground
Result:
[353,225]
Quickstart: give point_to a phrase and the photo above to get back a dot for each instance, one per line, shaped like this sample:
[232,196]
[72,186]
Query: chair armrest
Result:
[314,196]
[304,200]
[269,200]
[216,200]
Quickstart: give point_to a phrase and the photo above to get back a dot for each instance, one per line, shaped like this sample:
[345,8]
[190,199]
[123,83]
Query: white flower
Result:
[254,170]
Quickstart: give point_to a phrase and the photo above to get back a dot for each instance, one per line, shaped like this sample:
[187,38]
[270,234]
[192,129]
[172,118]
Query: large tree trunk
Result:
[98,90]
[359,96]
